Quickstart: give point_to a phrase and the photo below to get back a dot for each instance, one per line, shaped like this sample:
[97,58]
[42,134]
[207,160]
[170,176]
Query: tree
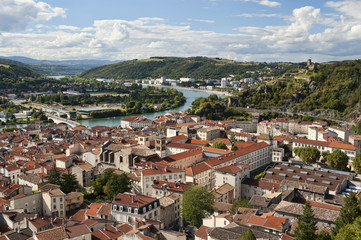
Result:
[197,204]
[240,203]
[349,212]
[219,145]
[356,163]
[310,155]
[324,155]
[357,128]
[232,137]
[247,235]
[69,183]
[117,184]
[54,176]
[306,224]
[338,160]
[234,148]
[323,235]
[97,185]
[350,231]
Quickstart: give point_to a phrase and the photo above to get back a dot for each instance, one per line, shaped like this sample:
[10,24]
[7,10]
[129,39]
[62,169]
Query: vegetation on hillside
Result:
[335,86]
[176,67]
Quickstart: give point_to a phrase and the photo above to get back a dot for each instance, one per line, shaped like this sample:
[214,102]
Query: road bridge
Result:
[58,120]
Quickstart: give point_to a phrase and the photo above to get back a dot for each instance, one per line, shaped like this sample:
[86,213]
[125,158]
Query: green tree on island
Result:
[69,182]
[197,204]
[338,160]
[54,176]
[306,224]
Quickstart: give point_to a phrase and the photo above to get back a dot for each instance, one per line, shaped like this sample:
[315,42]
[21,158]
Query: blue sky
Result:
[243,30]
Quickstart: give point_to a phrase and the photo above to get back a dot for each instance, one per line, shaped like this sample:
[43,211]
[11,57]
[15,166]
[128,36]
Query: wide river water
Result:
[190,95]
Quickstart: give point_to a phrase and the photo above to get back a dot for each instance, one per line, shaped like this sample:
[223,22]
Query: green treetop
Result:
[306,224]
[338,160]
[54,176]
[197,204]
[69,183]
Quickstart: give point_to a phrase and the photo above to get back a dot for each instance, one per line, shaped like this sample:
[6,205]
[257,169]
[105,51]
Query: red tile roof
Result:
[202,232]
[263,184]
[183,155]
[135,200]
[172,186]
[228,157]
[77,230]
[196,169]
[339,145]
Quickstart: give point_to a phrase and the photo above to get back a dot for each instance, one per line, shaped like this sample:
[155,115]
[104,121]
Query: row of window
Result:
[133,210]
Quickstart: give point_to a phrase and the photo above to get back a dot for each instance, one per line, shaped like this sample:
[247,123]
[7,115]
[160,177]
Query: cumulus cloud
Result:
[296,40]
[16,14]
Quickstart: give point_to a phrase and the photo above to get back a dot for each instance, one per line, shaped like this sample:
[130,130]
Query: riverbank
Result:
[191,89]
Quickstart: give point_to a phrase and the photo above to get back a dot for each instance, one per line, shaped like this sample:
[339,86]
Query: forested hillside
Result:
[176,67]
[334,86]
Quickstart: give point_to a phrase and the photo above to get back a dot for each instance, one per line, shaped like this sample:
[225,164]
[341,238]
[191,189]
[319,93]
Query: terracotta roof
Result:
[263,184]
[93,209]
[183,155]
[339,145]
[77,230]
[52,234]
[99,235]
[178,138]
[228,157]
[230,168]
[201,232]
[181,145]
[172,186]
[124,227]
[160,170]
[40,222]
[135,200]
[197,169]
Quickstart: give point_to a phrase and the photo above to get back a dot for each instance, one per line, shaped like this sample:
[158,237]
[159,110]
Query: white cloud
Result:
[339,37]
[17,14]
[201,20]
[67,27]
[267,3]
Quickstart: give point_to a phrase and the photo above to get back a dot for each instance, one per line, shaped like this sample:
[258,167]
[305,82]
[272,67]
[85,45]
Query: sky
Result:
[242,30]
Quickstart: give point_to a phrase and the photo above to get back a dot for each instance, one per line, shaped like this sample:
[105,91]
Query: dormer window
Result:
[144,210]
[115,207]
[136,211]
[155,205]
[150,207]
[129,209]
[121,208]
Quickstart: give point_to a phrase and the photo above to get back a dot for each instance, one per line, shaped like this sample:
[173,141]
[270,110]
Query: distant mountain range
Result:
[52,67]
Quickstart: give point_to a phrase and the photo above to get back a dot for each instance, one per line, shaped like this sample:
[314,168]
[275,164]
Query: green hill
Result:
[176,67]
[334,87]
[14,74]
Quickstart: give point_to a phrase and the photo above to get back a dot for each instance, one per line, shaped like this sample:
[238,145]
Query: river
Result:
[190,95]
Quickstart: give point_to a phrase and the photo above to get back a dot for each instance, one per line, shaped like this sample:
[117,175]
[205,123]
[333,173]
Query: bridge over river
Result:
[58,120]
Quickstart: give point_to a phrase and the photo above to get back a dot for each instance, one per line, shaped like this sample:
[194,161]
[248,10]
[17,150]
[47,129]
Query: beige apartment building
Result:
[54,203]
[208,133]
